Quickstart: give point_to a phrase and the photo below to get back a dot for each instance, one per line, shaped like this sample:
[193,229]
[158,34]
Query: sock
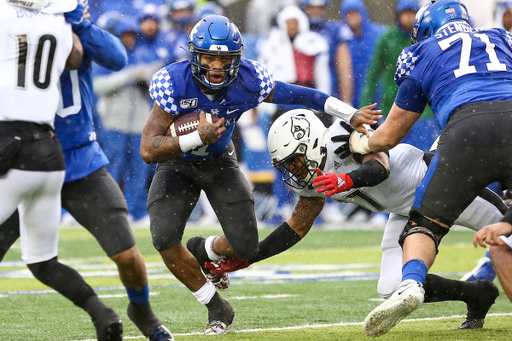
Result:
[414,269]
[138,296]
[143,317]
[205,293]
[95,308]
[208,245]
[439,289]
[280,240]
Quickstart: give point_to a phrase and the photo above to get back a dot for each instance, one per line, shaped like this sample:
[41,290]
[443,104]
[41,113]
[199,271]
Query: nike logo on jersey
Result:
[231,153]
[231,111]
[341,182]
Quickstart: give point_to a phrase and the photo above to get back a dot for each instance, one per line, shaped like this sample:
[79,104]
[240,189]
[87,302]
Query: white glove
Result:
[359,143]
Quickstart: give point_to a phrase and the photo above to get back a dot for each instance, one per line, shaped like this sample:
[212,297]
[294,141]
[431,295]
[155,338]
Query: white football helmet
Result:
[297,132]
[34,5]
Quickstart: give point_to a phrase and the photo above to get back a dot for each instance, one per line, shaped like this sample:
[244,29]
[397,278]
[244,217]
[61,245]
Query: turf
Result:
[266,310]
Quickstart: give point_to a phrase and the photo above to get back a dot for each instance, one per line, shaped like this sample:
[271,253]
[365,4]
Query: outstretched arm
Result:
[284,93]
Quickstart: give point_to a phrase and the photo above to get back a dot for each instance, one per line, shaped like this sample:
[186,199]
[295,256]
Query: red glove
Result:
[334,183]
[229,264]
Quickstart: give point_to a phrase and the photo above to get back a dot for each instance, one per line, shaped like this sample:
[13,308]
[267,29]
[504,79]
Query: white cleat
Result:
[408,297]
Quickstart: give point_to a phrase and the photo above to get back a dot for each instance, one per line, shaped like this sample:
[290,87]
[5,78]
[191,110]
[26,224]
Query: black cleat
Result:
[109,326]
[220,316]
[478,310]
[196,247]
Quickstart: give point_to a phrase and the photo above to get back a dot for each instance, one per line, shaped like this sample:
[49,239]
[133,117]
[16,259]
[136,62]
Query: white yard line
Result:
[341,324]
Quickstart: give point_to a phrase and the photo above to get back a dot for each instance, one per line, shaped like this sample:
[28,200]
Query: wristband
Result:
[190,141]
[335,107]
[359,143]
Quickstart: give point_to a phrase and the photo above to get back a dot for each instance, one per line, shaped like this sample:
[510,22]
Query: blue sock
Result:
[138,296]
[415,269]
[487,254]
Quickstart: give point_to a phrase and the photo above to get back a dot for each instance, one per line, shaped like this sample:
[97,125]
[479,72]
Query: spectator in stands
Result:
[361,35]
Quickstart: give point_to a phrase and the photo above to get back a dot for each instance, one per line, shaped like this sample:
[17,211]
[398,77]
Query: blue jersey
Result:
[175,90]
[74,122]
[457,66]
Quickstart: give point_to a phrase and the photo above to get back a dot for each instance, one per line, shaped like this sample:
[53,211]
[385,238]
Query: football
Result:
[188,123]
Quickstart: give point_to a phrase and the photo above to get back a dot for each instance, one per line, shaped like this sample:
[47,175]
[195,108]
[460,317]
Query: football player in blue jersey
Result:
[465,75]
[90,194]
[217,80]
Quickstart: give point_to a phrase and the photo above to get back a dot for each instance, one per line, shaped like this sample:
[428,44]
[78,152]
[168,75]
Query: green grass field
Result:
[321,289]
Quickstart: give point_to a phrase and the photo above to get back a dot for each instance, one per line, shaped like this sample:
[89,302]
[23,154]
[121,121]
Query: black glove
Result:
[343,151]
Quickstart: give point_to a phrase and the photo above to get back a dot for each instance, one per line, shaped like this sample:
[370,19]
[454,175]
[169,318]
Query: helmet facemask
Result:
[294,165]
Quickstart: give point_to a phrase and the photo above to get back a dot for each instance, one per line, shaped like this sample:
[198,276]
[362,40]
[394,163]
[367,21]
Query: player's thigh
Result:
[172,197]
[231,198]
[97,203]
[455,176]
[40,216]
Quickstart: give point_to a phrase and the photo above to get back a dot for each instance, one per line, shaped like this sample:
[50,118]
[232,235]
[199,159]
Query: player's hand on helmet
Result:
[490,234]
[76,17]
[333,183]
[365,115]
[228,264]
[210,132]
[343,151]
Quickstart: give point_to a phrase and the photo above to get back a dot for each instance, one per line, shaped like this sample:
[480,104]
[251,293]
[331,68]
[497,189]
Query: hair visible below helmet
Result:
[34,5]
[297,132]
[215,35]
[432,16]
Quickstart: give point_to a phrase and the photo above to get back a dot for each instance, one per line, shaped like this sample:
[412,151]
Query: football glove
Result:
[343,151]
[228,264]
[334,183]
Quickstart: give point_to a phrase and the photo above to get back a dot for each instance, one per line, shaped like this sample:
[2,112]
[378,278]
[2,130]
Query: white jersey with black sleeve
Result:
[34,47]
[395,194]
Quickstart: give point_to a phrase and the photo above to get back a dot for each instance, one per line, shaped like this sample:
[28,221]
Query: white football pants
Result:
[477,215]
[37,197]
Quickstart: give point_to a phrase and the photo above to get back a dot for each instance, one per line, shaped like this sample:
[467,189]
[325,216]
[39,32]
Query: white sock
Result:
[208,245]
[205,294]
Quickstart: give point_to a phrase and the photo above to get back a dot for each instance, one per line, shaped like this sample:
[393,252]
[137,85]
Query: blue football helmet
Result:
[432,16]
[219,36]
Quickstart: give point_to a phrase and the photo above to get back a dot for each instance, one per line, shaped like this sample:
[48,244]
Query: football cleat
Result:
[109,326]
[228,264]
[408,297]
[161,333]
[220,318]
[483,270]
[195,245]
[478,310]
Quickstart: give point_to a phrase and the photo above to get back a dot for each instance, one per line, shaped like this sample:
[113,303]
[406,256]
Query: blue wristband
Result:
[285,93]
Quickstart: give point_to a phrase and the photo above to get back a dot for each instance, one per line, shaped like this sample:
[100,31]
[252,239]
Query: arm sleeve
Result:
[371,173]
[410,96]
[285,93]
[102,47]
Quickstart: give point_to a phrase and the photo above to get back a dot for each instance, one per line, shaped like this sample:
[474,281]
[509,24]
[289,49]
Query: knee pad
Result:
[417,223]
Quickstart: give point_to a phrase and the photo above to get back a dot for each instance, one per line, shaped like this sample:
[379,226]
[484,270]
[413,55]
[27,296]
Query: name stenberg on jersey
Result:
[452,28]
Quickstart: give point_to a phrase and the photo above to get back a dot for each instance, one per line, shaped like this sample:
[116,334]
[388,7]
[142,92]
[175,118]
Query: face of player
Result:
[216,66]
[406,19]
[297,166]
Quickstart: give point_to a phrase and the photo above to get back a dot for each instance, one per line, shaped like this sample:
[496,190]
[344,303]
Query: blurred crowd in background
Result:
[348,55]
